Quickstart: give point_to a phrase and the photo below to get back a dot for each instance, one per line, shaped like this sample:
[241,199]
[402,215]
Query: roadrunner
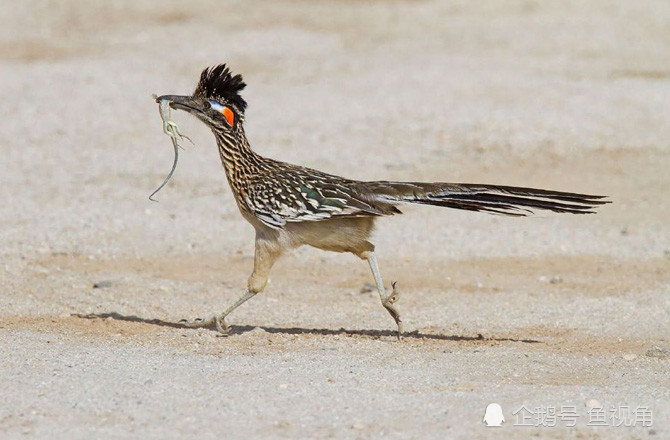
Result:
[290,206]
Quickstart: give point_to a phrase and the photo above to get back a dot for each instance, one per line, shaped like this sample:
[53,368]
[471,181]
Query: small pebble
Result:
[658,352]
[283,386]
[555,279]
[629,357]
[102,284]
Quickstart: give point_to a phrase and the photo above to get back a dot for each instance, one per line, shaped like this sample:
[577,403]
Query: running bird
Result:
[290,206]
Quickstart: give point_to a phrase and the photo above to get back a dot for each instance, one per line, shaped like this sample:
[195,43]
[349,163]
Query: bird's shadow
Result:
[241,329]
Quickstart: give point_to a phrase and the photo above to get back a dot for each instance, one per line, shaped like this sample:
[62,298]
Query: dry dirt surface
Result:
[553,311]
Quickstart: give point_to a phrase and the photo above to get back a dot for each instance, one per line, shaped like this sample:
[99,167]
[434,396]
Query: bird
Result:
[290,205]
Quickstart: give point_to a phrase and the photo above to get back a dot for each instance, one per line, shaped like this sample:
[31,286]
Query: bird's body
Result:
[290,206]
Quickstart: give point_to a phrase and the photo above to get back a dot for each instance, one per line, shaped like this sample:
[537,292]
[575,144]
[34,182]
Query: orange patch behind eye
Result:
[229,115]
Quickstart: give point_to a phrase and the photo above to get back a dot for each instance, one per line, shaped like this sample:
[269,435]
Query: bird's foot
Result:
[218,321]
[394,296]
[388,304]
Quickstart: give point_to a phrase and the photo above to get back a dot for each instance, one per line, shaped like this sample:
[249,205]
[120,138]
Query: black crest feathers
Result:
[219,82]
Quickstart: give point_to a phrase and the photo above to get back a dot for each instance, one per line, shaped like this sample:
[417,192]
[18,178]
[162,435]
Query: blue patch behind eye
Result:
[216,106]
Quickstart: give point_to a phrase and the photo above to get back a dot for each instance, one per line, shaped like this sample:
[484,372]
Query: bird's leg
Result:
[265,256]
[388,300]
[219,320]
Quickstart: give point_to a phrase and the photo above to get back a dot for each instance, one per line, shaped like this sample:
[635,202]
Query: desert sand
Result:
[546,311]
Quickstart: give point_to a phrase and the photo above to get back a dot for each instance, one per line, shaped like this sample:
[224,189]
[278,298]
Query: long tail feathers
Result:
[505,200]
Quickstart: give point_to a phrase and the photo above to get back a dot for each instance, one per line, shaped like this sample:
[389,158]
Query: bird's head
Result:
[216,100]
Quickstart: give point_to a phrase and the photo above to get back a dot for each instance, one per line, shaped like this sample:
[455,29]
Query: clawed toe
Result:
[394,296]
[218,321]
[197,323]
[393,311]
[401,330]
[221,325]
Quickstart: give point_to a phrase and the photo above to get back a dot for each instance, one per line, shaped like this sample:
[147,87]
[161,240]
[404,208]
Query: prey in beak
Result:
[171,129]
[180,102]
[215,102]
[215,113]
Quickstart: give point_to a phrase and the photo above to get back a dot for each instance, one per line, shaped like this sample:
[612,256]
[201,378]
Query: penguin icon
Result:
[493,415]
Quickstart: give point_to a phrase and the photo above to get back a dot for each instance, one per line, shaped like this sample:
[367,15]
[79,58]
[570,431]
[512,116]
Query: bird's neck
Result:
[237,157]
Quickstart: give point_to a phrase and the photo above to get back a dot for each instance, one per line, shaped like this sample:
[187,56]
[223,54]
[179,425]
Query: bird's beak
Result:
[178,102]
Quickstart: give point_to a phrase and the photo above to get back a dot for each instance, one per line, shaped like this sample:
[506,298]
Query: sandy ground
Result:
[547,311]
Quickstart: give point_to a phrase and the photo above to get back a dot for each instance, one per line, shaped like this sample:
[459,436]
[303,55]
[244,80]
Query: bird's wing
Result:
[297,196]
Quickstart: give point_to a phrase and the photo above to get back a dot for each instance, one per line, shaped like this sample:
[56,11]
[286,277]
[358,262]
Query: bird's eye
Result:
[206,105]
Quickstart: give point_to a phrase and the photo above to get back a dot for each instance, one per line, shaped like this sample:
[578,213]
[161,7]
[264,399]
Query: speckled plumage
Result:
[291,206]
